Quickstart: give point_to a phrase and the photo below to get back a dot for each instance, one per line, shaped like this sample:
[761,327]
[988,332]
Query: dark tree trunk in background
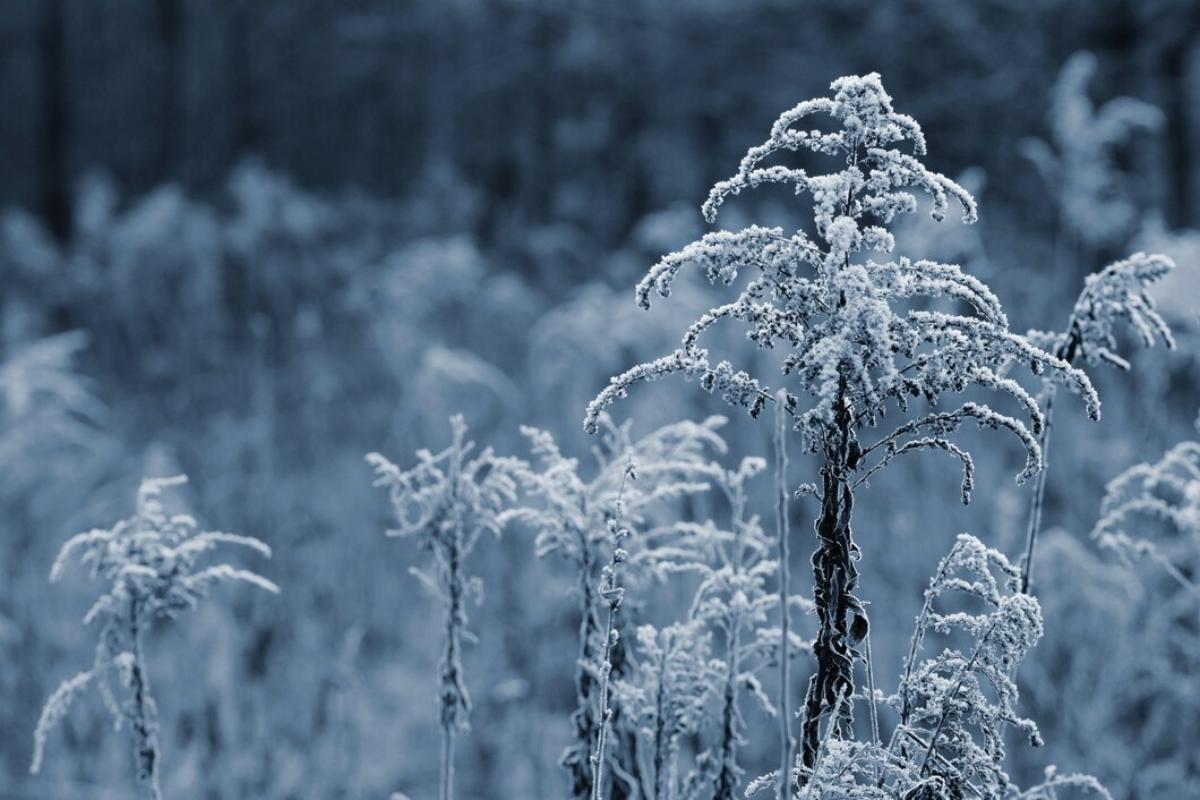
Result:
[1180,132]
[244,134]
[168,18]
[53,137]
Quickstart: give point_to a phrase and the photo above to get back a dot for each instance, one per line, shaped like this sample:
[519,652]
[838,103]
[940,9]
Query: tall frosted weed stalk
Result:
[150,561]
[1119,293]
[445,503]
[857,344]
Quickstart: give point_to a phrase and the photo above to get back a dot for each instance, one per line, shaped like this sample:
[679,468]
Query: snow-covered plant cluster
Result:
[667,697]
[575,516]
[151,563]
[857,344]
[953,708]
[734,599]
[678,649]
[446,503]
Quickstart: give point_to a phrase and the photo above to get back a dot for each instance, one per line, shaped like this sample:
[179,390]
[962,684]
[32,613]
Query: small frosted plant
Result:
[857,347]
[1117,295]
[150,561]
[572,517]
[733,599]
[1163,496]
[955,706]
[611,593]
[446,503]
[666,697]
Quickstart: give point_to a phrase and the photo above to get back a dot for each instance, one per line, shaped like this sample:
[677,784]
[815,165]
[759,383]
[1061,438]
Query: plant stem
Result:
[612,592]
[786,743]
[605,711]
[143,722]
[447,779]
[453,697]
[918,635]
[834,578]
[660,731]
[726,783]
[1039,491]
[583,718]
[962,676]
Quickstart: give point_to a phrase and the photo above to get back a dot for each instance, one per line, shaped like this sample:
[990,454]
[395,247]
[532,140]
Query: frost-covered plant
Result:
[612,593]
[667,695]
[1117,294]
[734,599]
[446,503]
[1150,520]
[572,514]
[150,559]
[856,345]
[1092,193]
[49,416]
[1164,496]
[954,707]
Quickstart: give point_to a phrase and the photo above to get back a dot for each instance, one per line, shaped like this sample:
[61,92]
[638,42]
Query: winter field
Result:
[607,401]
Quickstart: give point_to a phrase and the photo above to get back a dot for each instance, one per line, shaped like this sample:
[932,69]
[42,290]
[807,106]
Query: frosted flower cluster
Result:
[571,511]
[445,503]
[667,696]
[1117,294]
[1152,512]
[734,564]
[853,336]
[150,562]
[953,707]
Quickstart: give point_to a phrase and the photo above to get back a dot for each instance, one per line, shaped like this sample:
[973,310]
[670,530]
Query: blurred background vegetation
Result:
[251,240]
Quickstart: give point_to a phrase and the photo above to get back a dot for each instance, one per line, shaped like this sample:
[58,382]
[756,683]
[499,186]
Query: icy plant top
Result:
[1117,293]
[449,491]
[570,511]
[151,558]
[1162,497]
[854,343]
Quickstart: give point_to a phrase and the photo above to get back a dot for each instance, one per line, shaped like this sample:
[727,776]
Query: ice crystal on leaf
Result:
[150,561]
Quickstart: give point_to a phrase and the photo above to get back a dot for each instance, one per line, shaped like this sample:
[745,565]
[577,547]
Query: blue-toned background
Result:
[252,240]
